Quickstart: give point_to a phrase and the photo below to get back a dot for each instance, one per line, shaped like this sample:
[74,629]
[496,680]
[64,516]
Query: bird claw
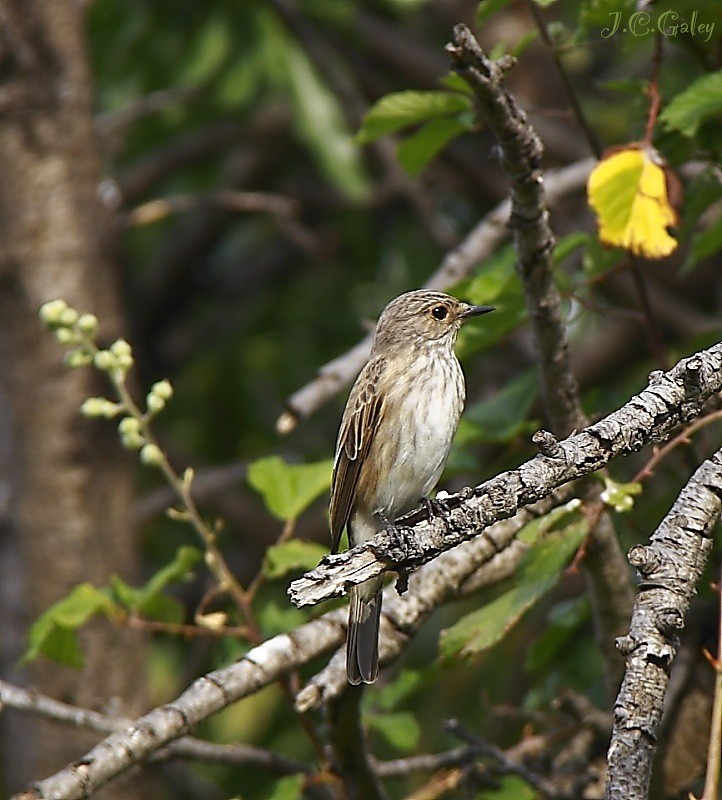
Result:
[438,508]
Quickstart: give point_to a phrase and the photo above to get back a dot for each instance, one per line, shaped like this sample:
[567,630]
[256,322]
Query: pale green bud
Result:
[128,425]
[151,455]
[78,358]
[132,440]
[88,324]
[100,407]
[121,348]
[67,336]
[125,361]
[162,389]
[68,317]
[154,403]
[50,312]
[105,360]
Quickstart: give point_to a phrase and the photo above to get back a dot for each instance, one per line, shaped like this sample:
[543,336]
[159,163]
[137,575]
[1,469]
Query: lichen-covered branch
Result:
[605,568]
[207,695]
[188,747]
[522,152]
[669,570]
[670,398]
[465,569]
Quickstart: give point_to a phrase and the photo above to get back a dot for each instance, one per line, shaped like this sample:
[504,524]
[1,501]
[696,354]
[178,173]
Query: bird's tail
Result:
[362,643]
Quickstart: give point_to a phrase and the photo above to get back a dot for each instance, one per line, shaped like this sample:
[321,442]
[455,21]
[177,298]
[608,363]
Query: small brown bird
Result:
[394,440]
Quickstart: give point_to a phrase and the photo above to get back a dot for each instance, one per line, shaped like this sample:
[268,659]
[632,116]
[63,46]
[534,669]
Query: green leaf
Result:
[208,53]
[288,788]
[321,124]
[180,569]
[295,554]
[511,787]
[418,149]
[705,243]
[456,83]
[400,729]
[503,416]
[697,103]
[53,632]
[564,622]
[535,529]
[399,110]
[399,690]
[495,283]
[288,489]
[274,618]
[537,574]
[566,246]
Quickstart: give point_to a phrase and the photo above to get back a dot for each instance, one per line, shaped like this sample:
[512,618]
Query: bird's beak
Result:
[475,311]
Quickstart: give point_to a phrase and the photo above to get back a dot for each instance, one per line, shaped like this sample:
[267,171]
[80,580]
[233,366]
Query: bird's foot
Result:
[401,548]
[438,508]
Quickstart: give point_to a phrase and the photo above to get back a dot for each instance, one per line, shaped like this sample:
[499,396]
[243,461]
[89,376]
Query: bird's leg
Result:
[400,549]
[438,508]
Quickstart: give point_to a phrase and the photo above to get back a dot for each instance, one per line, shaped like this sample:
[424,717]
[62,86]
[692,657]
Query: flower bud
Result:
[78,358]
[50,312]
[162,389]
[105,360]
[68,317]
[128,425]
[132,440]
[121,348]
[87,323]
[100,407]
[151,455]
[67,336]
[154,403]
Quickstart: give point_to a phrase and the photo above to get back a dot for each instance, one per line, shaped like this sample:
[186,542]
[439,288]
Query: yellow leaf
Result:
[628,190]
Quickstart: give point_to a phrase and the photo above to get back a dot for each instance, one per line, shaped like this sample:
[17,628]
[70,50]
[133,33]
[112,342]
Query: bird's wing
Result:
[358,429]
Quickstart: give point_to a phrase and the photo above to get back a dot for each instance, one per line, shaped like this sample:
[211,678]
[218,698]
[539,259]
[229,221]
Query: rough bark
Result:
[669,570]
[670,398]
[68,516]
[608,579]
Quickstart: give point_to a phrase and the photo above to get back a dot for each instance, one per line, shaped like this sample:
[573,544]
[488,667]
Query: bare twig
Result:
[188,747]
[714,748]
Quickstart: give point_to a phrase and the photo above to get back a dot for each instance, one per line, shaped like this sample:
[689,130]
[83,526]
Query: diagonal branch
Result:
[188,747]
[669,399]
[669,569]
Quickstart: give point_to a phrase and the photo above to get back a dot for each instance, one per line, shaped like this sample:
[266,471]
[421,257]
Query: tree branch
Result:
[669,399]
[533,237]
[187,747]
[466,569]
[148,734]
[669,569]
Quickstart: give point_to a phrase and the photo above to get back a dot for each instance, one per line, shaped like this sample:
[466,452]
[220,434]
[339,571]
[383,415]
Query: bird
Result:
[394,439]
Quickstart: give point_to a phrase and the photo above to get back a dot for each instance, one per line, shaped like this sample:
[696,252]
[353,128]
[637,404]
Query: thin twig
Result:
[714,749]
[589,133]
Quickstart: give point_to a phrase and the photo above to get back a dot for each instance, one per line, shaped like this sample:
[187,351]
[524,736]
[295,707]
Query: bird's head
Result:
[423,316]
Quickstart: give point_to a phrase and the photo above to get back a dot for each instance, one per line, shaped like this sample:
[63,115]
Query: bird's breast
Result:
[421,414]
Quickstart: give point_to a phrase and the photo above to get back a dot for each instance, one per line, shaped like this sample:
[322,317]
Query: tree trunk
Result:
[67,483]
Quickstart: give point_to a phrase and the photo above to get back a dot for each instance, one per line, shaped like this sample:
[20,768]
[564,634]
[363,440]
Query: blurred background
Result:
[189,172]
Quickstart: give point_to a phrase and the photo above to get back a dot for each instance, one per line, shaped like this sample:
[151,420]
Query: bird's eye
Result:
[439,312]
